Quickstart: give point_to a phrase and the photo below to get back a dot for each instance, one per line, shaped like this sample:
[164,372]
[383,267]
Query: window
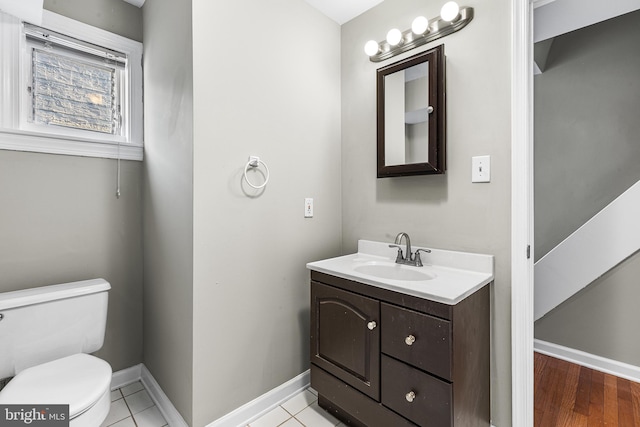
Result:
[69,89]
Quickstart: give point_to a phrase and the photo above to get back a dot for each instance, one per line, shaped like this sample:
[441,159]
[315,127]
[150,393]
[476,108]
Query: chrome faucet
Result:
[411,258]
[400,259]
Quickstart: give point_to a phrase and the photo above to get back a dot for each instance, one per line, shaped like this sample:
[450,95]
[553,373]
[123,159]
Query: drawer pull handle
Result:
[410,340]
[372,325]
[410,396]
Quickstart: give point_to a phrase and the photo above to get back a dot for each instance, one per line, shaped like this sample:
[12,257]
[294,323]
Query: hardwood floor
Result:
[572,395]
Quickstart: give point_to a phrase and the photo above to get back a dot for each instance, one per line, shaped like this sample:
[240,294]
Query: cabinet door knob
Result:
[410,340]
[410,396]
[372,325]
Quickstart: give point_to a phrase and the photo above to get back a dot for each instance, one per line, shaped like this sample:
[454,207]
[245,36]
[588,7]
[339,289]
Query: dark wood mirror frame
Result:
[436,119]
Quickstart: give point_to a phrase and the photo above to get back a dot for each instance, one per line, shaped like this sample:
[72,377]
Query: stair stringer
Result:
[607,239]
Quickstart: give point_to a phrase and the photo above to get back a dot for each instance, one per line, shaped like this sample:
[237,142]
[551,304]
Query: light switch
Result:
[481,169]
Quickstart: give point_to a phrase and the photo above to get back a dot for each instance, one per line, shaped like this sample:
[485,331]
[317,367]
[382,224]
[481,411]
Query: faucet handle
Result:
[417,258]
[400,256]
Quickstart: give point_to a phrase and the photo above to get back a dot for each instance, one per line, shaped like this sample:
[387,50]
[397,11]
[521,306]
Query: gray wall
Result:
[274,92]
[61,220]
[116,16]
[168,201]
[587,151]
[602,319]
[586,154]
[445,211]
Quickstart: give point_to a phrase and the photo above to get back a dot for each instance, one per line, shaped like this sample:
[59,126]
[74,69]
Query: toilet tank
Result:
[42,324]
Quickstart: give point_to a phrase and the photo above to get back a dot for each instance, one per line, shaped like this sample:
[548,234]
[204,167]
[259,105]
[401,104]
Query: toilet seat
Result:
[80,380]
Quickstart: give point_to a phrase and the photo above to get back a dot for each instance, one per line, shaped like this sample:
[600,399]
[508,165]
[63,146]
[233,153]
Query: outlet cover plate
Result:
[308,207]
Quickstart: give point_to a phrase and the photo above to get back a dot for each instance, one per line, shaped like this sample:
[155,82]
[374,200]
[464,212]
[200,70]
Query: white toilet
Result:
[45,334]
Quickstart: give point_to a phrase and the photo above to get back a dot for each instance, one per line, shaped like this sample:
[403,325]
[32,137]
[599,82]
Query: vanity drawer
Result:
[419,339]
[417,396]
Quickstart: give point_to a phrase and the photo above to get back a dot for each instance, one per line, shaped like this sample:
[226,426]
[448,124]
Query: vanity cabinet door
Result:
[345,337]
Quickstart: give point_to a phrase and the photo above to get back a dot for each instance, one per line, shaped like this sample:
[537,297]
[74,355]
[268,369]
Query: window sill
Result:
[28,141]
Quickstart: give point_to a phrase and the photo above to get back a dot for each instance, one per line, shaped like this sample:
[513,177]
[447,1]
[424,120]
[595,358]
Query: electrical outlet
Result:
[308,207]
[481,169]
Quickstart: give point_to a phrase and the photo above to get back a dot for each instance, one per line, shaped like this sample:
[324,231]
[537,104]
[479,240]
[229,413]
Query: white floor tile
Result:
[292,423]
[312,390]
[115,395]
[127,422]
[118,411]
[315,416]
[150,417]
[131,388]
[272,419]
[298,402]
[139,401]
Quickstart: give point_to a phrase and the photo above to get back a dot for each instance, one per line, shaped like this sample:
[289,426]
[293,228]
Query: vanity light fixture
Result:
[420,25]
[371,47]
[450,11]
[394,37]
[452,18]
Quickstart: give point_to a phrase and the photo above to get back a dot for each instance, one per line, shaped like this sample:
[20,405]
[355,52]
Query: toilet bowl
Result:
[47,332]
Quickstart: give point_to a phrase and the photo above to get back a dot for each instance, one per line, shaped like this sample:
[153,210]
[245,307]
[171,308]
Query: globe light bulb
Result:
[394,37]
[449,11]
[420,25]
[371,47]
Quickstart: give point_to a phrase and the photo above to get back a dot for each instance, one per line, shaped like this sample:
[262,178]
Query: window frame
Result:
[17,134]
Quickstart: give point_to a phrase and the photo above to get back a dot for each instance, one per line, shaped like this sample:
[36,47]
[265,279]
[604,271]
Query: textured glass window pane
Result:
[73,93]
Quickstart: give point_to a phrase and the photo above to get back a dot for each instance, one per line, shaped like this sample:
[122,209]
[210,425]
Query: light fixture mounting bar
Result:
[438,28]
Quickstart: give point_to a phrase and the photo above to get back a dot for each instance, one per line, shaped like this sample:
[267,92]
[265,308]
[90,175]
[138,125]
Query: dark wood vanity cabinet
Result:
[385,359]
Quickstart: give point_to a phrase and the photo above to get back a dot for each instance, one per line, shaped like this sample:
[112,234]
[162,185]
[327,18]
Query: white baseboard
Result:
[263,404]
[602,364]
[126,376]
[141,373]
[169,412]
[239,417]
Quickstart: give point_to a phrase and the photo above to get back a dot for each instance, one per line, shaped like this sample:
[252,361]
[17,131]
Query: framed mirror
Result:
[411,115]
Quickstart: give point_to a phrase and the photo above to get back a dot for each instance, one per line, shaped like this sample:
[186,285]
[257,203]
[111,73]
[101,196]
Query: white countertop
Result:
[455,275]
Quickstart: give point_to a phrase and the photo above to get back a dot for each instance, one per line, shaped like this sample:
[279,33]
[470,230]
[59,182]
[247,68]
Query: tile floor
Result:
[301,410]
[131,406]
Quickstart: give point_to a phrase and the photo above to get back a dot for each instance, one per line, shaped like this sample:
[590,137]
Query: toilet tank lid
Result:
[42,294]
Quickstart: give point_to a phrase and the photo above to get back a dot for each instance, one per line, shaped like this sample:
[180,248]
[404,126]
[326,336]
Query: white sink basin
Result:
[447,276]
[394,271]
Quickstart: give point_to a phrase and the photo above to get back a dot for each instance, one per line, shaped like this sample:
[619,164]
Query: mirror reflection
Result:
[406,116]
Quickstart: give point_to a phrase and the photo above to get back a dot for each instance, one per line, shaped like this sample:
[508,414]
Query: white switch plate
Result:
[481,169]
[308,207]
